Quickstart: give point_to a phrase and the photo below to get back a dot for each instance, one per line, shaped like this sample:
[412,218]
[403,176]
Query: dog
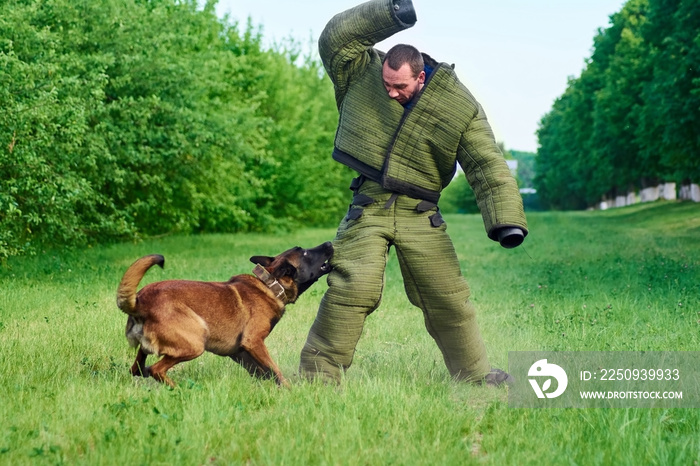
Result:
[180,319]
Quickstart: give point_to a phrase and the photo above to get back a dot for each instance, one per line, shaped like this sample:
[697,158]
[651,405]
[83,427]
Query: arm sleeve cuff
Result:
[404,11]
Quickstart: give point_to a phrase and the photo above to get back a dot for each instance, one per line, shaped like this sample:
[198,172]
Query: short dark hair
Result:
[400,54]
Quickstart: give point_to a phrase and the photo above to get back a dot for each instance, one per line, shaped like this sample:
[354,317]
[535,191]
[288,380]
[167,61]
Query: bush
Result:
[125,118]
[458,197]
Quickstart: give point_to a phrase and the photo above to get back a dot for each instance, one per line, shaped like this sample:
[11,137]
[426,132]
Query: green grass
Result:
[624,279]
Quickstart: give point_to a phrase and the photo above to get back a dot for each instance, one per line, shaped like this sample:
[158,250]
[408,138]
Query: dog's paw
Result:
[137,371]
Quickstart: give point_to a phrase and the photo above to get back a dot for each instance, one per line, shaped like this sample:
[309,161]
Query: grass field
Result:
[619,280]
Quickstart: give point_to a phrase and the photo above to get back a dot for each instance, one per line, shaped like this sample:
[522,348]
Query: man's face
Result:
[400,84]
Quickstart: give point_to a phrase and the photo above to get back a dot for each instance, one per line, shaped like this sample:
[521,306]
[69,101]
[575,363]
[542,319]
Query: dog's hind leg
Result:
[181,339]
[139,369]
[159,369]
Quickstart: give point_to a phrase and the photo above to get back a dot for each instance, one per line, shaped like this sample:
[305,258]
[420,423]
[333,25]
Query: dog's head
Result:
[297,269]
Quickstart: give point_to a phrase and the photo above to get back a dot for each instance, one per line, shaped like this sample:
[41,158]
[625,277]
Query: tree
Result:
[124,118]
[621,55]
[631,118]
[668,130]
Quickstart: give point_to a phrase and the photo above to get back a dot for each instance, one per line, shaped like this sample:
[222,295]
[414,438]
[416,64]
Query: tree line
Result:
[631,119]
[128,118]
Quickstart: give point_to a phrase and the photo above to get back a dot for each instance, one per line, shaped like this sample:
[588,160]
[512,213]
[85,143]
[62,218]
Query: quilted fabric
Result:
[413,152]
[432,279]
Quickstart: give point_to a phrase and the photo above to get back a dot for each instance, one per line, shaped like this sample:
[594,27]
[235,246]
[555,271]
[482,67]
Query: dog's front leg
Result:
[244,358]
[260,354]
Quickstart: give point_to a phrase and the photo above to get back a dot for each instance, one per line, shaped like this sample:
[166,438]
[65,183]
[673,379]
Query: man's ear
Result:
[262,260]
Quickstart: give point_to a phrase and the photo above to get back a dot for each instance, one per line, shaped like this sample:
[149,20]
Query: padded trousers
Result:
[433,281]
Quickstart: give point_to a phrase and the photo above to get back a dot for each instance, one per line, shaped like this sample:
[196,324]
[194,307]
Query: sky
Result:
[515,56]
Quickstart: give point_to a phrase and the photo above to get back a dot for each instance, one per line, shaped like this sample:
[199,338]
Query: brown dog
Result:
[179,319]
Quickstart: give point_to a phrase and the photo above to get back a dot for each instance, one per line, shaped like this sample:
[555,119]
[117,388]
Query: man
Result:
[405,121]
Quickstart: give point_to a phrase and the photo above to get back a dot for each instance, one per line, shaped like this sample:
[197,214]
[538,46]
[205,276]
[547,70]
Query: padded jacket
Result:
[412,151]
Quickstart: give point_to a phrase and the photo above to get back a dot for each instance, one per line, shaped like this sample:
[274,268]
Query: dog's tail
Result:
[126,293]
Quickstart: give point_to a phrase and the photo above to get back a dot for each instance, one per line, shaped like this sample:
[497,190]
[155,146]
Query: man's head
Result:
[402,72]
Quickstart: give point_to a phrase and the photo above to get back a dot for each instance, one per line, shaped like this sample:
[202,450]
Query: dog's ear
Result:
[262,260]
[286,270]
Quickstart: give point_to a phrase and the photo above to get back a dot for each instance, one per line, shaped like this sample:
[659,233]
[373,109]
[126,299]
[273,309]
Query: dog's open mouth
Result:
[326,267]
